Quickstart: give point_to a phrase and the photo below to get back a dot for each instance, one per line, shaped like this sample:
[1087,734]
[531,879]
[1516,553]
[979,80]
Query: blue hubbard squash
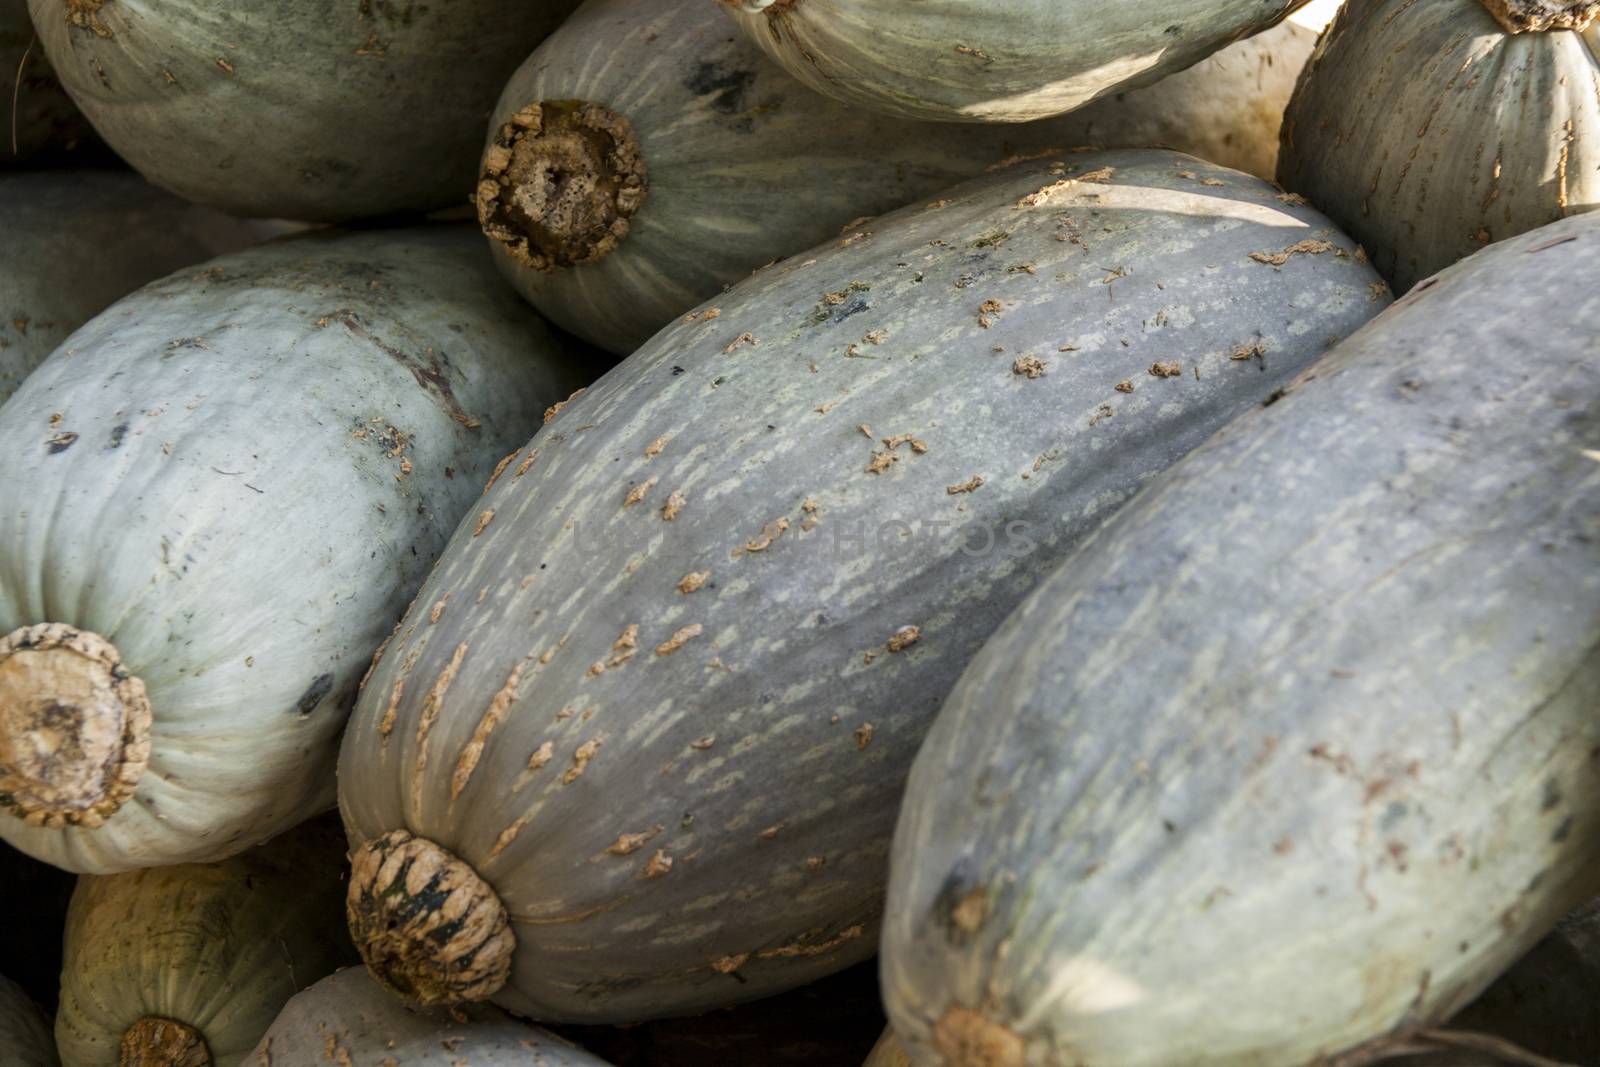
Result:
[646,156]
[637,748]
[1299,752]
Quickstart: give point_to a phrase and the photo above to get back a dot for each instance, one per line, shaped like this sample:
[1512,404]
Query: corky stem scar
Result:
[155,1042]
[559,183]
[429,928]
[74,727]
[1538,16]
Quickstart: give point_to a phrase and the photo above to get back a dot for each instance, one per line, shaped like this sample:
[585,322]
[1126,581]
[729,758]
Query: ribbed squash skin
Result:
[44,123]
[294,109]
[218,947]
[24,1030]
[1299,750]
[992,60]
[746,164]
[1461,134]
[348,1019]
[77,241]
[238,476]
[764,722]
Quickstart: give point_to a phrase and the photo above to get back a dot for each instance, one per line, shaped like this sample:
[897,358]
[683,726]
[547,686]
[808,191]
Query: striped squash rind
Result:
[1469,133]
[1300,751]
[236,477]
[992,60]
[746,165]
[663,700]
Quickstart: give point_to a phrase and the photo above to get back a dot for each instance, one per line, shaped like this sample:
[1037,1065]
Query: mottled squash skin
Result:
[24,1029]
[1462,133]
[992,60]
[237,477]
[662,692]
[298,109]
[45,124]
[744,164]
[349,1019]
[217,948]
[77,241]
[1299,752]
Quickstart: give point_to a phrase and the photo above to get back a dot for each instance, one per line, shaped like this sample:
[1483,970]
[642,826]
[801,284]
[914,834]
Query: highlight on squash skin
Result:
[156,1042]
[74,727]
[559,182]
[1538,16]
[429,928]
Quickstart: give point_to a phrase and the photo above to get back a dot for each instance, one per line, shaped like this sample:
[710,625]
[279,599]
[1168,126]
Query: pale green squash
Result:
[992,60]
[24,1029]
[218,496]
[1298,753]
[187,966]
[704,160]
[1428,129]
[349,1020]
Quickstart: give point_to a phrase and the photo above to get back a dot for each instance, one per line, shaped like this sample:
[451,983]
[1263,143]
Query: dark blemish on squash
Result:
[61,442]
[1551,796]
[433,378]
[118,433]
[729,86]
[313,695]
[1561,831]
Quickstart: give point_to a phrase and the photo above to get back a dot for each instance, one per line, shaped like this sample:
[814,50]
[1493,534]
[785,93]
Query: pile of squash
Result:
[750,533]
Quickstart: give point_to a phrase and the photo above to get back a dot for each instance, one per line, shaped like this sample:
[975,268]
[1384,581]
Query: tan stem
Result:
[74,726]
[428,926]
[1538,16]
[559,183]
[968,1037]
[156,1042]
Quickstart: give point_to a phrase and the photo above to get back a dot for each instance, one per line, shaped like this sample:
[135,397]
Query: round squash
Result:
[1476,120]
[1298,752]
[294,109]
[348,1019]
[645,157]
[38,120]
[651,715]
[992,60]
[218,496]
[77,241]
[187,966]
[24,1029]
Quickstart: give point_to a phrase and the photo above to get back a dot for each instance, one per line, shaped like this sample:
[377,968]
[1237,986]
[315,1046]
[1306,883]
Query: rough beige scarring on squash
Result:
[1465,130]
[25,1034]
[753,676]
[644,157]
[217,497]
[186,966]
[349,1020]
[992,60]
[1298,753]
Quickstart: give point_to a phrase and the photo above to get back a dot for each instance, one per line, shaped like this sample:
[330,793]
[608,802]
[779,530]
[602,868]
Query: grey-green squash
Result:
[24,1029]
[1298,752]
[1465,129]
[217,497]
[646,156]
[649,719]
[39,120]
[992,60]
[77,241]
[294,109]
[187,966]
[350,1020]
